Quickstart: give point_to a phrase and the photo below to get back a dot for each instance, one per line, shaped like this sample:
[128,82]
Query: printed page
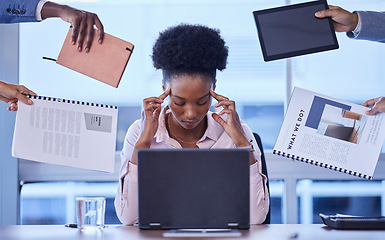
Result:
[331,133]
[65,132]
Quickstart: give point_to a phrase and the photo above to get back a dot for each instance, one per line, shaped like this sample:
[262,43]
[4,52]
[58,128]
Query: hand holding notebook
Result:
[105,62]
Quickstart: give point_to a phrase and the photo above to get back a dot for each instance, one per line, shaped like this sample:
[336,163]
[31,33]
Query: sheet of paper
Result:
[66,132]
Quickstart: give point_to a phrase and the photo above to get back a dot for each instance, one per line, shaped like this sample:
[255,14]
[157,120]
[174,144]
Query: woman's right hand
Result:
[150,119]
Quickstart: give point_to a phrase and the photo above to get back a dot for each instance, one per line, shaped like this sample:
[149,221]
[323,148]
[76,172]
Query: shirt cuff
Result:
[39,7]
[358,28]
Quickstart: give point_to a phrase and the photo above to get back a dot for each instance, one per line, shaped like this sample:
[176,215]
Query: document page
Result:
[66,132]
[331,133]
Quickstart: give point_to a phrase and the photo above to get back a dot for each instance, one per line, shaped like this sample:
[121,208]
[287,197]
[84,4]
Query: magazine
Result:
[331,133]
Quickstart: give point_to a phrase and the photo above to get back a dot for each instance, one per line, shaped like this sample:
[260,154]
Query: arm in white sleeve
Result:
[39,7]
[259,194]
[126,200]
[357,30]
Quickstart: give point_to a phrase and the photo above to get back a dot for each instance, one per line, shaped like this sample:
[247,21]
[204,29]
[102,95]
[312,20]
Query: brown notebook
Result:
[104,62]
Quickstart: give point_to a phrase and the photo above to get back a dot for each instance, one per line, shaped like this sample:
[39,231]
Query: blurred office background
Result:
[261,90]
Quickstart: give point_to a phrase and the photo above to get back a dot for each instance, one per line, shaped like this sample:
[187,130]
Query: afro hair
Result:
[187,47]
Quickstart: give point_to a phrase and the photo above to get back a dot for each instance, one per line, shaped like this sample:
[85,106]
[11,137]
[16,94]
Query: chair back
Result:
[264,171]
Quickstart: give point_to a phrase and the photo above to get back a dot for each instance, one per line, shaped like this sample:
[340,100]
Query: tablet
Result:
[294,30]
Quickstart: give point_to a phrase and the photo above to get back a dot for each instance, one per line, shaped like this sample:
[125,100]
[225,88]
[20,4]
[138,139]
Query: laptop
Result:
[194,188]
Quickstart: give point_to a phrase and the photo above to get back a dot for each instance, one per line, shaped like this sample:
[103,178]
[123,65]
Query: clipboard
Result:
[105,62]
[353,222]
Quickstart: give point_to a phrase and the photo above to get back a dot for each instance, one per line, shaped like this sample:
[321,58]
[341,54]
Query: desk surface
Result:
[258,232]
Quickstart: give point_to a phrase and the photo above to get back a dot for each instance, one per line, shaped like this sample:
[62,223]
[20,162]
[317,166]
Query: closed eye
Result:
[201,104]
[179,104]
[203,101]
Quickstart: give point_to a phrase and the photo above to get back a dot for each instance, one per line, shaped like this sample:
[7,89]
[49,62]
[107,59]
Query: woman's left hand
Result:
[232,125]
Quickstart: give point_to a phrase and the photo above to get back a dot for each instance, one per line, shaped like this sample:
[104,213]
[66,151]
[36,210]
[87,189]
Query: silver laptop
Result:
[194,188]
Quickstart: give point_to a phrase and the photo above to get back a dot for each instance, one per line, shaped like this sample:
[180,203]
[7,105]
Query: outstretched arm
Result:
[11,93]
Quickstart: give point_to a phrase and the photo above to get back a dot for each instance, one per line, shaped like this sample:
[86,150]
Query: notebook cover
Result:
[105,62]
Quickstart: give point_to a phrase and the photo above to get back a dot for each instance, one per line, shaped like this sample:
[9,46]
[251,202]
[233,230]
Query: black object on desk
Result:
[71,225]
[353,222]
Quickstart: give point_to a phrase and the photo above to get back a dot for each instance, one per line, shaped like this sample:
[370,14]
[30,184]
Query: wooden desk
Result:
[118,232]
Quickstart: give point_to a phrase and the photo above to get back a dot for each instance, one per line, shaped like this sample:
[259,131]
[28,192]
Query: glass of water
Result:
[90,212]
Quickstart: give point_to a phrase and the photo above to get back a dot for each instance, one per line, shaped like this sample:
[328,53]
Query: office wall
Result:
[9,72]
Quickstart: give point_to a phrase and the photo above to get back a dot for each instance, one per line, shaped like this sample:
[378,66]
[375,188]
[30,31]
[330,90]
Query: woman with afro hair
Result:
[189,56]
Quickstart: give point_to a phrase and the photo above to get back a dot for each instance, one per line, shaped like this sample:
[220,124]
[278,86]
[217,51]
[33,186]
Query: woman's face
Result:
[190,98]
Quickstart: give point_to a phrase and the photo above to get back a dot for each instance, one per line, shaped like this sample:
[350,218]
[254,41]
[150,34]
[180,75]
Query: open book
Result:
[331,133]
[66,132]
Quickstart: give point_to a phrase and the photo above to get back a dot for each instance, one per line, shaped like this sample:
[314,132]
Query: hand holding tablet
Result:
[294,30]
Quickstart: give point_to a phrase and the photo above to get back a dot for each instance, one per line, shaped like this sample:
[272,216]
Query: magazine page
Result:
[64,132]
[331,133]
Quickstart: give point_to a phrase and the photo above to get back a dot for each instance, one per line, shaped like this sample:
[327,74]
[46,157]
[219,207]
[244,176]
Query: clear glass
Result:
[90,212]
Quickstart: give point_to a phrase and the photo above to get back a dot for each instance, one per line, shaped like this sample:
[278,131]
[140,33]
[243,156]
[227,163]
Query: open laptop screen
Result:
[193,188]
[294,30]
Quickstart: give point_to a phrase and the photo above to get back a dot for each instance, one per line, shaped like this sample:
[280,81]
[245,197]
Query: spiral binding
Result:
[71,101]
[325,165]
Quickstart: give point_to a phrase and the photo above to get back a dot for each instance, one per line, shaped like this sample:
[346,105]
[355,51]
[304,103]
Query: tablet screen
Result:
[293,30]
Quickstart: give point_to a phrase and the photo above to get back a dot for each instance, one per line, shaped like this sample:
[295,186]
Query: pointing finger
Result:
[217,96]
[165,93]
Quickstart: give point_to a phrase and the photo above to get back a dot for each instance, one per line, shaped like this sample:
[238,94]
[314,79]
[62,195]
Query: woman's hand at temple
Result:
[150,118]
[232,125]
